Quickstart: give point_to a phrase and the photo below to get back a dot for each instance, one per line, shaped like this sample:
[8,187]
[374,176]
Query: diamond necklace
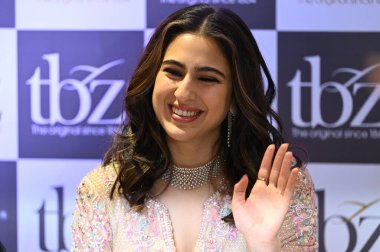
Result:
[191,178]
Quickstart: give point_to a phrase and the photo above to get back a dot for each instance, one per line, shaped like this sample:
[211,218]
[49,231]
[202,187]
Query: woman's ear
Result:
[233,109]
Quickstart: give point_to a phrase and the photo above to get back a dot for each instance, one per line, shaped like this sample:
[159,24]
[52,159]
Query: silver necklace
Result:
[191,178]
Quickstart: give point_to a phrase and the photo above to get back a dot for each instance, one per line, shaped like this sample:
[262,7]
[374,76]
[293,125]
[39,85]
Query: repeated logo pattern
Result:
[70,92]
[65,65]
[333,92]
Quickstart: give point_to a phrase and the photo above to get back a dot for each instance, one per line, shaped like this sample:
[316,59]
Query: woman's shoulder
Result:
[100,179]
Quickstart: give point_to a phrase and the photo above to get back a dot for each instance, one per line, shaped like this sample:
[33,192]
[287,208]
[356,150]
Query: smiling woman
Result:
[198,165]
[192,94]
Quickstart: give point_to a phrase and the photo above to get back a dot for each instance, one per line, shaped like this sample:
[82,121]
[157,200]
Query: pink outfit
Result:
[101,224]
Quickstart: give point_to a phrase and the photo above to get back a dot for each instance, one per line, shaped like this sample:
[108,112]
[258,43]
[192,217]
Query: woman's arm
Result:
[91,229]
[300,227]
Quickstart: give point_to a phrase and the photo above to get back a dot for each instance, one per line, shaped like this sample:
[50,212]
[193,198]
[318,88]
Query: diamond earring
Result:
[230,117]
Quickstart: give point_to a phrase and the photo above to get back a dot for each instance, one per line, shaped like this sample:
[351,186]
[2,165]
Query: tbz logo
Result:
[342,89]
[43,214]
[83,88]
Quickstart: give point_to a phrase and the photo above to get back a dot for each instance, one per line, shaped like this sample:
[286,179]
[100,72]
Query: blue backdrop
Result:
[65,64]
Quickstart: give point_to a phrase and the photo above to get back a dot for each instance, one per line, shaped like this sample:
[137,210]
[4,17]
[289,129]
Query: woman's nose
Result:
[185,89]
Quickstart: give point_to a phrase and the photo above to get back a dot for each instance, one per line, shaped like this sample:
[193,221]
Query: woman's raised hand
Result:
[260,216]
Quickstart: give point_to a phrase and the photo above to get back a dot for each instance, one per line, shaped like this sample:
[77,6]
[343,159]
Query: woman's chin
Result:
[179,136]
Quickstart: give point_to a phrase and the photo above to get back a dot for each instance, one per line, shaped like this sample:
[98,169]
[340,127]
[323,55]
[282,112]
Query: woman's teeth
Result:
[184,112]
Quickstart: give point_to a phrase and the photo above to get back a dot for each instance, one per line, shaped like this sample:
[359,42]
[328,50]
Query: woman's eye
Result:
[172,72]
[209,79]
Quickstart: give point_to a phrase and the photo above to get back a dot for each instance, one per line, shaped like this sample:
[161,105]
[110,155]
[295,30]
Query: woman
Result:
[198,164]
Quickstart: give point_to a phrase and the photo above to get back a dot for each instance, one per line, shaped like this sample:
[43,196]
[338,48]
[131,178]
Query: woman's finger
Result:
[266,164]
[285,171]
[291,184]
[277,163]
[240,188]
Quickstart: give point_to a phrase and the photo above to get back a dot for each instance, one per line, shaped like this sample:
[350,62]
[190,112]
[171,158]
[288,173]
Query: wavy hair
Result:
[140,151]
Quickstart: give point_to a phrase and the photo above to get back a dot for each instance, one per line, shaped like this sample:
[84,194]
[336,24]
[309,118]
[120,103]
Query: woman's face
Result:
[192,91]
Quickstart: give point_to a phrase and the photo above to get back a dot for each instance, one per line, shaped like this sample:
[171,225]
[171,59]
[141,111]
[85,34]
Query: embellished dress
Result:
[102,224]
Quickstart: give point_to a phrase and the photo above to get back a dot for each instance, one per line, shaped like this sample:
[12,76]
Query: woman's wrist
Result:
[264,246]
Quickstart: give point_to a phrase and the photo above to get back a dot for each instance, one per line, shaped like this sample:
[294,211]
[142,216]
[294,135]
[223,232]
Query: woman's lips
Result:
[184,114]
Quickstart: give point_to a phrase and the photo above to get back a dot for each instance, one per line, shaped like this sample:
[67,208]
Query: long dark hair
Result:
[140,151]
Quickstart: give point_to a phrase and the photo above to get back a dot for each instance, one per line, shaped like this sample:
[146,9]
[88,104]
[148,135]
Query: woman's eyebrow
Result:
[173,62]
[210,69]
[198,69]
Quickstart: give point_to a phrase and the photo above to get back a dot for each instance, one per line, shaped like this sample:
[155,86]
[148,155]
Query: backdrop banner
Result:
[65,66]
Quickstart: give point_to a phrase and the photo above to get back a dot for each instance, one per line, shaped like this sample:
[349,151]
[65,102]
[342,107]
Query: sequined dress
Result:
[101,224]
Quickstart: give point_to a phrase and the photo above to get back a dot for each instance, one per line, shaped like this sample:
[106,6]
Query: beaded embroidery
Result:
[103,225]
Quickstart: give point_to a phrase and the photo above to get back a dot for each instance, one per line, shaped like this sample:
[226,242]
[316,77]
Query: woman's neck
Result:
[192,154]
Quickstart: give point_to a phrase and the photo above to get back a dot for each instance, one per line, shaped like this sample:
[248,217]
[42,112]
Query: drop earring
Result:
[230,117]
[229,129]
